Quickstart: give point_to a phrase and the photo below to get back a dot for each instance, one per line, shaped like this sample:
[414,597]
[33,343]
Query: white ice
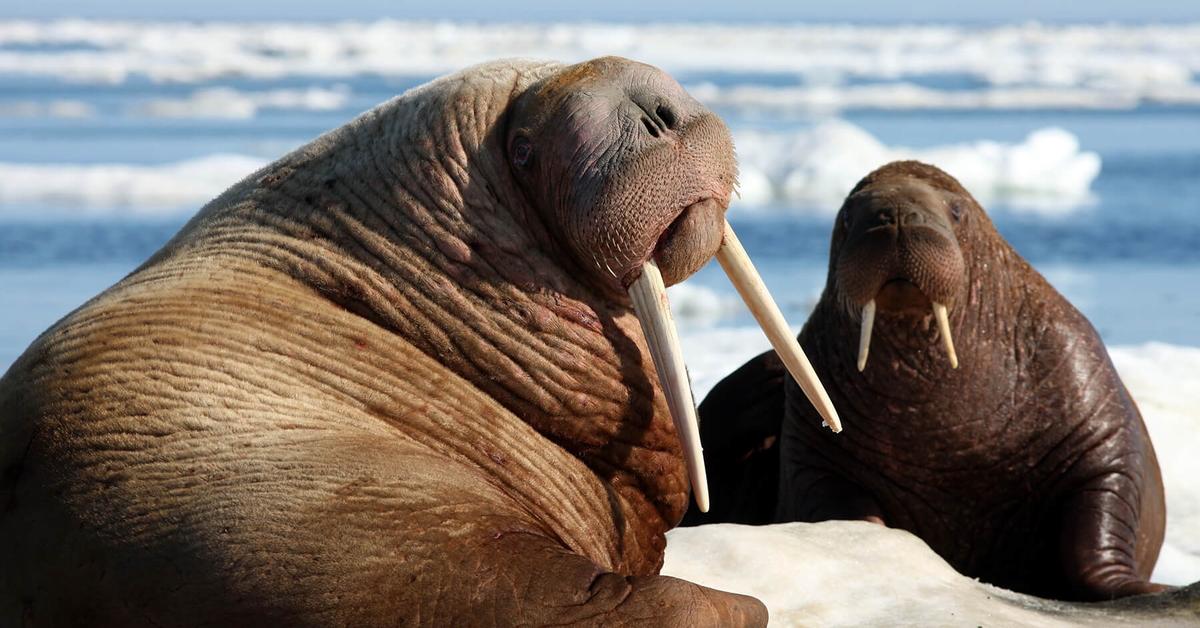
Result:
[853,573]
[907,96]
[814,169]
[90,189]
[229,103]
[1127,59]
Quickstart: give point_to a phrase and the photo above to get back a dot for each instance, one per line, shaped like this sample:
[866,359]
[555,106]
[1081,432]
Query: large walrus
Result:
[1027,465]
[394,378]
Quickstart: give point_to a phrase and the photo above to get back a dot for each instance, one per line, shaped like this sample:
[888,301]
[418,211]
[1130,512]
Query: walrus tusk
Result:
[943,321]
[864,336]
[754,292]
[649,297]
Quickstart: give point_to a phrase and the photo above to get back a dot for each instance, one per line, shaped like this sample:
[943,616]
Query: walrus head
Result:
[898,249]
[627,167]
[633,177]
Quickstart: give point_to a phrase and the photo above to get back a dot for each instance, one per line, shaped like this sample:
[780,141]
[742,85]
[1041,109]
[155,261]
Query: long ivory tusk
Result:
[864,336]
[649,297]
[943,321]
[754,292]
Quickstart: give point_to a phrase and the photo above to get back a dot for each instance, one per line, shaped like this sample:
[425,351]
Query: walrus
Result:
[1026,465]
[397,377]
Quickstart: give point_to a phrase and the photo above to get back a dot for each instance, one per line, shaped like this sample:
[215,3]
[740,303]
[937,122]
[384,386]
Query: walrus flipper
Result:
[740,423]
[1113,513]
[550,585]
[1099,544]
[1112,531]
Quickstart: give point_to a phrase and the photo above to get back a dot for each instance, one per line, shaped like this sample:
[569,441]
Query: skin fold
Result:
[391,379]
[1028,466]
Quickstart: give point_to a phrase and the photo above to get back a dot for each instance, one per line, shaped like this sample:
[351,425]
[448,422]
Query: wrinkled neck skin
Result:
[410,218]
[909,402]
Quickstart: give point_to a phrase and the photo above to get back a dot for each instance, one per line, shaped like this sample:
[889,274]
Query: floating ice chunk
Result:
[754,187]
[696,306]
[905,96]
[1120,57]
[228,103]
[218,102]
[853,573]
[171,187]
[823,160]
[813,170]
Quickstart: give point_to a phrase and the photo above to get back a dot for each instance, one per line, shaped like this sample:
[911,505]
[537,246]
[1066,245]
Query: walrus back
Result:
[248,406]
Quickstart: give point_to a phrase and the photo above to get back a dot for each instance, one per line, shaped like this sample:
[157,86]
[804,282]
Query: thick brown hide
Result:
[374,384]
[1028,466]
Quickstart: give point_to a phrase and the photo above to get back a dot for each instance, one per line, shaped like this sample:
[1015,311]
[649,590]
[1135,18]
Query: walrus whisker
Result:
[943,321]
[749,284]
[649,296]
[864,337]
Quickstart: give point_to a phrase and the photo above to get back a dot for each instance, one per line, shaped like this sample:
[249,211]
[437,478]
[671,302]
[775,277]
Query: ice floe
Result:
[1110,56]
[229,103]
[812,170]
[807,171]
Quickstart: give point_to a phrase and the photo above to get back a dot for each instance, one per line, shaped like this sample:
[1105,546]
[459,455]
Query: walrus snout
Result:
[690,241]
[612,151]
[902,258]
[660,114]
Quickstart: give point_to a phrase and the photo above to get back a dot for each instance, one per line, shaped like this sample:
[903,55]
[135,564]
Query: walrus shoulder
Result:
[740,423]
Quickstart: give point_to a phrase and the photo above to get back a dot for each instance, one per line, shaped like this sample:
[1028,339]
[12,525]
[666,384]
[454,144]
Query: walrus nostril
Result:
[667,115]
[911,217]
[658,117]
[650,126]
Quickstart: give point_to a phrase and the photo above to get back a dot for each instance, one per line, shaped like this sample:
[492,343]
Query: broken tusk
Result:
[649,297]
[754,292]
[864,336]
[943,321]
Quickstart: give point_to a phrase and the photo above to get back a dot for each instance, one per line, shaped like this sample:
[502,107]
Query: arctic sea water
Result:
[1083,142]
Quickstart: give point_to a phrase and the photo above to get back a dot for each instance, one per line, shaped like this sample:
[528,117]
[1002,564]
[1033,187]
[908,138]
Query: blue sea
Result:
[1082,141]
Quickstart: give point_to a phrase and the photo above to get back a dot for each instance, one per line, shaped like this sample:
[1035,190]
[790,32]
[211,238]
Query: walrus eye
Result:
[522,151]
[956,211]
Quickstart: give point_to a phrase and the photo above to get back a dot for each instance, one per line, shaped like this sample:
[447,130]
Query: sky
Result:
[968,11]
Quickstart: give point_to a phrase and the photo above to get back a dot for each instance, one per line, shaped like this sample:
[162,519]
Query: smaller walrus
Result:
[1027,466]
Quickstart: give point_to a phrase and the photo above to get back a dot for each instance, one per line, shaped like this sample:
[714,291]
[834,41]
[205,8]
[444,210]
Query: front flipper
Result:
[544,583]
[740,423]
[1106,551]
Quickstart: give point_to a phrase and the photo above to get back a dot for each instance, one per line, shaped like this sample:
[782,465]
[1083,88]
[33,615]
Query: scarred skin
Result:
[1028,467]
[390,379]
